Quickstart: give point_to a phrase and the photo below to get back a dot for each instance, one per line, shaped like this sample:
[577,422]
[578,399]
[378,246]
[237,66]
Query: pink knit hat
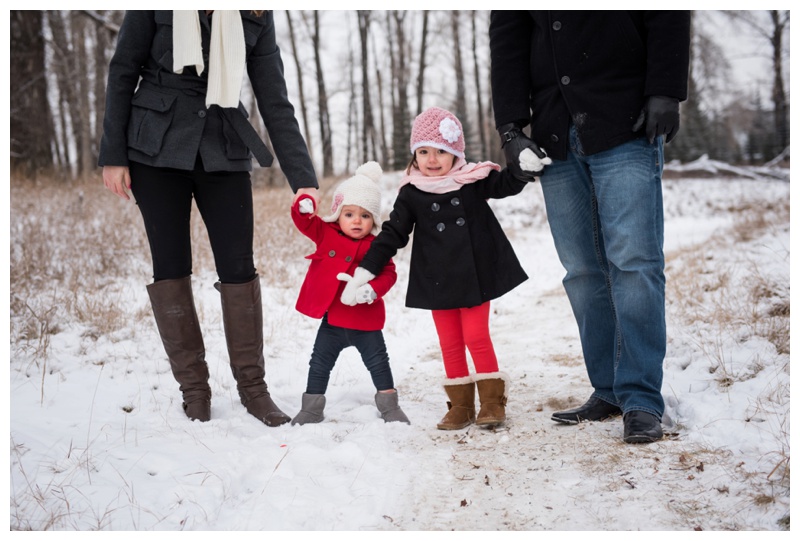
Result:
[438,128]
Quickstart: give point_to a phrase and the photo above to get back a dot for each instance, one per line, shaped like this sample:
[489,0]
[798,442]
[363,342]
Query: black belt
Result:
[233,115]
[248,134]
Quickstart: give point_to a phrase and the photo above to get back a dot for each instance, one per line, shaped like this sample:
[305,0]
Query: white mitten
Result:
[306,206]
[366,294]
[529,161]
[350,292]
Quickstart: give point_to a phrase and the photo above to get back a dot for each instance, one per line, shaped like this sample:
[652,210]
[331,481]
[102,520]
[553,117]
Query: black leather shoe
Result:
[641,427]
[594,410]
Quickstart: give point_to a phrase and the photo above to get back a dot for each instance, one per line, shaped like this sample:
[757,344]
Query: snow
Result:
[98,440]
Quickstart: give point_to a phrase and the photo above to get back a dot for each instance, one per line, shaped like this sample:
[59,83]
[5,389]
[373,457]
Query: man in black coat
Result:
[600,90]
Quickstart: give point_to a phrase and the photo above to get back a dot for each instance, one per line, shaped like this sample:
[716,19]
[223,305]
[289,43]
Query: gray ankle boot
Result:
[311,409]
[389,408]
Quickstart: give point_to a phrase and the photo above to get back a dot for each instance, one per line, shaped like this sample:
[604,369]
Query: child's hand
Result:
[529,161]
[350,292]
[365,294]
[306,206]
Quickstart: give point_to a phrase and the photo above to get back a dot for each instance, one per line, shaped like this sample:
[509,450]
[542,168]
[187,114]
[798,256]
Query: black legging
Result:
[225,200]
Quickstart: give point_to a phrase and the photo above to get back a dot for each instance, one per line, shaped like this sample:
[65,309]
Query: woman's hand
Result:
[311,192]
[117,179]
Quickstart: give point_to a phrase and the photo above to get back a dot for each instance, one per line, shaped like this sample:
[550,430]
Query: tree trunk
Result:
[401,129]
[778,92]
[80,111]
[422,50]
[31,125]
[322,98]
[460,105]
[368,127]
[382,112]
[101,47]
[484,151]
[300,88]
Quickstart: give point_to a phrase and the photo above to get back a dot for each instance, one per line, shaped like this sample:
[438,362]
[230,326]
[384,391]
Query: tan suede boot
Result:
[493,397]
[461,406]
[176,319]
[243,322]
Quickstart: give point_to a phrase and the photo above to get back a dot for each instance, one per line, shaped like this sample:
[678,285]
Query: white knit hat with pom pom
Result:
[362,190]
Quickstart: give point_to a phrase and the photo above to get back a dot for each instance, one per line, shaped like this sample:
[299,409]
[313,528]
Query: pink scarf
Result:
[461,173]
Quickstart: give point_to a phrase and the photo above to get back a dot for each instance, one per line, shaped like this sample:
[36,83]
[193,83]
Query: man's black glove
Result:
[660,116]
[523,165]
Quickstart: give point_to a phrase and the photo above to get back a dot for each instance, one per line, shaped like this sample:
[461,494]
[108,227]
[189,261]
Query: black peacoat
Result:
[460,256]
[159,118]
[590,68]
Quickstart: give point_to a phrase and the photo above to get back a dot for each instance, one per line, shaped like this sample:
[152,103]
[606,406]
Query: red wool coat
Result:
[335,253]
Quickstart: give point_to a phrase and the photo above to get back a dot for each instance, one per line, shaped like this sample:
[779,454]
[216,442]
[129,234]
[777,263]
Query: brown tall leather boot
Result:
[176,319]
[243,322]
[461,406]
[492,391]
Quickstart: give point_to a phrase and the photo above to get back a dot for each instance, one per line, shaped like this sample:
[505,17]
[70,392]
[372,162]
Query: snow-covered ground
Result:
[98,440]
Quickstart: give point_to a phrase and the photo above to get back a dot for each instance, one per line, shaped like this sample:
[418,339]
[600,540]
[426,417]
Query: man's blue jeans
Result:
[606,217]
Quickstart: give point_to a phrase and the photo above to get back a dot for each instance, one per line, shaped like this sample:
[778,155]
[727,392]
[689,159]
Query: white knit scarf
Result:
[226,58]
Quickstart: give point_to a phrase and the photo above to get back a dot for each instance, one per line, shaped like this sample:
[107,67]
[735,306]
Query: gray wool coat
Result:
[159,118]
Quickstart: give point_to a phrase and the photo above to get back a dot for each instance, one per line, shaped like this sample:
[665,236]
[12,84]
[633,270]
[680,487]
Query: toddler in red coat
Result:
[342,238]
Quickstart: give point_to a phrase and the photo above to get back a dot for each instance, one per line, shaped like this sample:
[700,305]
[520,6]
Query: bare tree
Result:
[322,96]
[102,46]
[352,111]
[368,127]
[401,124]
[381,135]
[31,124]
[301,90]
[772,29]
[479,93]
[81,109]
[423,48]
[460,103]
[68,29]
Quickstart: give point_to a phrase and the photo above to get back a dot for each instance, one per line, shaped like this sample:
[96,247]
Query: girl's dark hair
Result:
[412,163]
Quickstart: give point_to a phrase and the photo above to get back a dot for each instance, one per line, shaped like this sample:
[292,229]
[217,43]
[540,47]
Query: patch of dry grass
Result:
[74,247]
[708,293]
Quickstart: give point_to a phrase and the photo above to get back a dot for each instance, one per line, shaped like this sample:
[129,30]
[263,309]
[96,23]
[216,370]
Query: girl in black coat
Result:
[460,259]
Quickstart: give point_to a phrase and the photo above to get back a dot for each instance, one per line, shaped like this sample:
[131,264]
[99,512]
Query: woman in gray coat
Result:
[174,130]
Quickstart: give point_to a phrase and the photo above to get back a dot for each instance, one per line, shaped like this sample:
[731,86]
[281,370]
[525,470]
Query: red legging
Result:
[462,328]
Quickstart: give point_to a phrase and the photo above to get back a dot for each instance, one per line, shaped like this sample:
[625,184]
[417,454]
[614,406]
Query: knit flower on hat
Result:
[449,130]
[337,200]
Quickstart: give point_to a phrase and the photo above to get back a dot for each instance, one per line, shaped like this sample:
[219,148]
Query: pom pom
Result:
[370,170]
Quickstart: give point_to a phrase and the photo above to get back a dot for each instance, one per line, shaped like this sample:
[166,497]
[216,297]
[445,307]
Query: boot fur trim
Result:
[495,375]
[458,381]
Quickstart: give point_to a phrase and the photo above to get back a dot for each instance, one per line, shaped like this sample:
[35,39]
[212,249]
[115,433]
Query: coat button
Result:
[554,138]
[455,201]
[557,25]
[440,227]
[565,80]
[461,221]
[348,259]
[435,207]
[332,253]
[201,113]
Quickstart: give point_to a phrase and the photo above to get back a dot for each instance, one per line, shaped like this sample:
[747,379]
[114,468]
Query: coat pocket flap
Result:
[156,101]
